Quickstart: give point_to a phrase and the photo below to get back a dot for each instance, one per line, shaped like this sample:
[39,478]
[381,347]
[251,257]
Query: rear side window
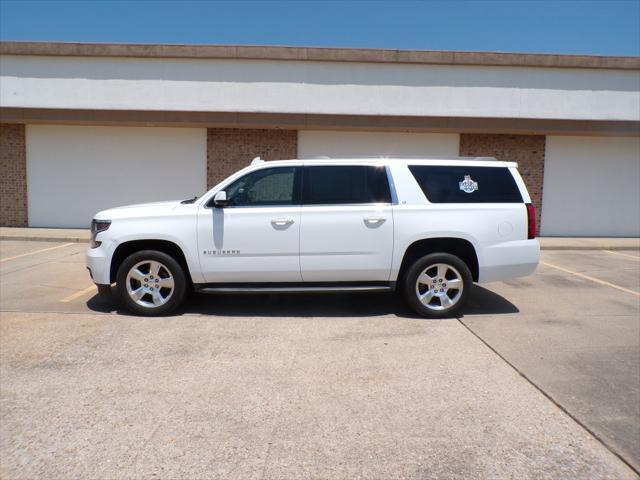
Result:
[444,184]
[335,185]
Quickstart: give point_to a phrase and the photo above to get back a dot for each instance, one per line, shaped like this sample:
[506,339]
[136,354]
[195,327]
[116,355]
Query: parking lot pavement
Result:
[338,386]
[578,340]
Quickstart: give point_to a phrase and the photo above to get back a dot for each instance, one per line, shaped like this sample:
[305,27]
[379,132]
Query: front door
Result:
[346,232]
[255,238]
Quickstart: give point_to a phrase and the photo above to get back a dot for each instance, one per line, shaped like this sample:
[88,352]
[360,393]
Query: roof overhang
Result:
[249,52]
[146,118]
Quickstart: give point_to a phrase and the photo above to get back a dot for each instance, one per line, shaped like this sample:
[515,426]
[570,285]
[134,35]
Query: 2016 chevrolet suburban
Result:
[426,228]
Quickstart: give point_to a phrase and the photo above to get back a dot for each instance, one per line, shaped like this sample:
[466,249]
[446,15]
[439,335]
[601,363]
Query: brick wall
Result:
[527,150]
[13,176]
[230,149]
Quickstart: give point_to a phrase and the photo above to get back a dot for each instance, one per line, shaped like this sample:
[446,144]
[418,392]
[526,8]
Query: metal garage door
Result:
[591,187]
[75,171]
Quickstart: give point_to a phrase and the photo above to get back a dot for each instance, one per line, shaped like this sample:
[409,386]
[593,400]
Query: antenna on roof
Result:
[256,160]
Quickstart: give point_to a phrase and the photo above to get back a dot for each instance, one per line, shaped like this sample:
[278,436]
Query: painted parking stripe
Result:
[36,252]
[596,280]
[623,254]
[79,294]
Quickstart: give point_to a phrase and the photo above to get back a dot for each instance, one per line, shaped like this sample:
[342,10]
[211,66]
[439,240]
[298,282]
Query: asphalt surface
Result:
[539,378]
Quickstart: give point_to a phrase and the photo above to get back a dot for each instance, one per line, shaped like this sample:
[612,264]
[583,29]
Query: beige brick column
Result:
[527,150]
[13,176]
[230,149]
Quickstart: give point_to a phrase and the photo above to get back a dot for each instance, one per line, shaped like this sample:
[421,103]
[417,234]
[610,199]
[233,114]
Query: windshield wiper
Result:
[190,200]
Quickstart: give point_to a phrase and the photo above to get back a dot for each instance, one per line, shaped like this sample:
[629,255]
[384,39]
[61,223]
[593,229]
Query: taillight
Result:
[531,220]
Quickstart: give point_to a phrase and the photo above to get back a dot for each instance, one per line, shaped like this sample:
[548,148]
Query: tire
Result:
[442,270]
[151,283]
[104,291]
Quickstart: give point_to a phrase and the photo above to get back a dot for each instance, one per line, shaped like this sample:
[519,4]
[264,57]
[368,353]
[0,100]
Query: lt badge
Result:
[468,185]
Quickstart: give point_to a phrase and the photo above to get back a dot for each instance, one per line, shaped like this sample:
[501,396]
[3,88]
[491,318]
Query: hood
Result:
[137,210]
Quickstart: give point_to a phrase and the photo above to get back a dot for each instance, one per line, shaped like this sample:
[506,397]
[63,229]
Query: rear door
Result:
[346,230]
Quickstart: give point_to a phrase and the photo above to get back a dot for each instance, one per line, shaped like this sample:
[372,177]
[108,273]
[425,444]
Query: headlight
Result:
[98,226]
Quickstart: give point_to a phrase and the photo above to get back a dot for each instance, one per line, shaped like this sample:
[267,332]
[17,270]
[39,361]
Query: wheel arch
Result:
[166,246]
[459,247]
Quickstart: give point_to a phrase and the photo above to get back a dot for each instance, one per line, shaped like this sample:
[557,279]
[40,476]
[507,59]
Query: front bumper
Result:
[96,262]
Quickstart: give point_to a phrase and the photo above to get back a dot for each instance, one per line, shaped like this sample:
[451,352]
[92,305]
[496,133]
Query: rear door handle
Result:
[281,222]
[375,220]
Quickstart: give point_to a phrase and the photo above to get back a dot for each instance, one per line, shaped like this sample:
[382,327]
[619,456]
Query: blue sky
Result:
[565,26]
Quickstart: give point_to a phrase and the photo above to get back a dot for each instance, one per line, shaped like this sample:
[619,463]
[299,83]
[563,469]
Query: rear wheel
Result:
[104,291]
[437,285]
[151,283]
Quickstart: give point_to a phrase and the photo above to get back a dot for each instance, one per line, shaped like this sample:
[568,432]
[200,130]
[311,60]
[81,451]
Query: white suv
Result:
[426,228]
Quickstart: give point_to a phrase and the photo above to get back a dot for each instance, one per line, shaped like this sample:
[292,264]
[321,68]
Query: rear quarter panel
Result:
[483,225]
[497,231]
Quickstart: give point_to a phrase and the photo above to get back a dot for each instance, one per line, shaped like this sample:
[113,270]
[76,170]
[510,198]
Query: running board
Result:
[227,289]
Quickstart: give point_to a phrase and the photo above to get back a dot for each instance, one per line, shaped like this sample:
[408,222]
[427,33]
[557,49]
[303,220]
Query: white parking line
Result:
[623,254]
[596,280]
[79,294]
[35,251]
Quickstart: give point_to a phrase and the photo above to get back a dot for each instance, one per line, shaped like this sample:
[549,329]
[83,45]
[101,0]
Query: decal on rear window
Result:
[468,185]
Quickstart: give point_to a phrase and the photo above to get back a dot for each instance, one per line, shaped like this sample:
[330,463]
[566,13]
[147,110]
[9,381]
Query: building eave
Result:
[249,52]
[319,122]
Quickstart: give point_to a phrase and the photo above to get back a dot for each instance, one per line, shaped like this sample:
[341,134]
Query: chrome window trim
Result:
[378,204]
[385,204]
[256,206]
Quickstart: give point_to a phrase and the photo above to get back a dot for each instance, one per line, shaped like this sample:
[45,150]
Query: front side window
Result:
[349,184]
[266,187]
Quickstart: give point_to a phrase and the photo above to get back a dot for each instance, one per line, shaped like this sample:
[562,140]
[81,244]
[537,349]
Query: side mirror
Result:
[220,199]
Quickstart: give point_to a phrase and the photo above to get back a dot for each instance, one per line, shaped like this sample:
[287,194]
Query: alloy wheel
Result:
[439,286]
[150,283]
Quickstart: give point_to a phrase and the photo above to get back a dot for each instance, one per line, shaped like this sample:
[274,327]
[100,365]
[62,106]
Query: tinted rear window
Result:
[334,185]
[443,184]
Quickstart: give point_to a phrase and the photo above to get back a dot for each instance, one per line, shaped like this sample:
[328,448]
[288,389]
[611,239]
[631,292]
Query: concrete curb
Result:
[27,238]
[589,243]
[26,234]
[586,247]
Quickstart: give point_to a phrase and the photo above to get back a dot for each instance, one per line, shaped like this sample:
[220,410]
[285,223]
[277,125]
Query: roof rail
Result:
[417,157]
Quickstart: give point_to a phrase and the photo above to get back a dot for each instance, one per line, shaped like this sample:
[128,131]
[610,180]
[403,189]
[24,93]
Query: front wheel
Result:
[437,285]
[151,283]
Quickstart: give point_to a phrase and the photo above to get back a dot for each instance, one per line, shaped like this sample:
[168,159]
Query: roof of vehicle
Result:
[387,160]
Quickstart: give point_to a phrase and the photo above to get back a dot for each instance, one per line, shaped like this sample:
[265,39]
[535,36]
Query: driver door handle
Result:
[281,222]
[375,220]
